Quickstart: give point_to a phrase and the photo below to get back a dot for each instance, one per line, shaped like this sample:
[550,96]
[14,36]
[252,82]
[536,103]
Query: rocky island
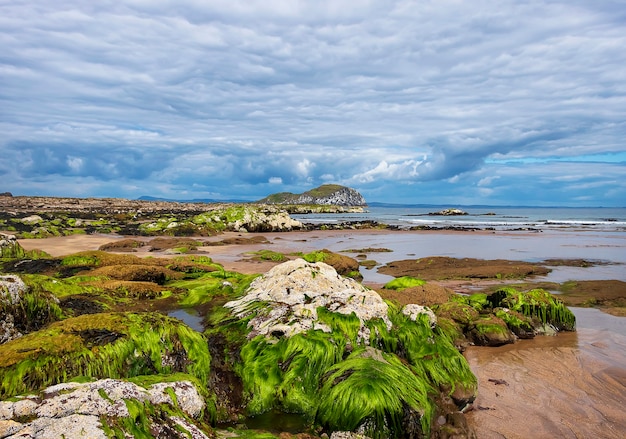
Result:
[327,198]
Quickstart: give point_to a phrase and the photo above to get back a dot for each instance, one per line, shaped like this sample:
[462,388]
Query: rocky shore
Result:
[294,332]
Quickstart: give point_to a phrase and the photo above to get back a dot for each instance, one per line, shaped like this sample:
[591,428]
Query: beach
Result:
[569,385]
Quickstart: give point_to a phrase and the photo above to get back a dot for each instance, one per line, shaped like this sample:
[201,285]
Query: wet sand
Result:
[569,386]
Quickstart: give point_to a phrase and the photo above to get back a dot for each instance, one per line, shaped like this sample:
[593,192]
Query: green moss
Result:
[114,345]
[403,282]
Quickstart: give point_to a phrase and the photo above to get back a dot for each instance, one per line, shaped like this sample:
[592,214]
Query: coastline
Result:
[569,385]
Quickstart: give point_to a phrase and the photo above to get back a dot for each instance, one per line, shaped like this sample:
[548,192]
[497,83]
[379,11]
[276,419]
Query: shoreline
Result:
[570,385]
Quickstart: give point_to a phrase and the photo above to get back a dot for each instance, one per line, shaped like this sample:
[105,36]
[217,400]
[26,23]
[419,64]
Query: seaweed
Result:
[131,345]
[403,282]
[374,394]
[537,303]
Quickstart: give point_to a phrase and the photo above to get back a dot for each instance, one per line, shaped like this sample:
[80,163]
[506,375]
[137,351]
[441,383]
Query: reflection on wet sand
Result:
[569,386]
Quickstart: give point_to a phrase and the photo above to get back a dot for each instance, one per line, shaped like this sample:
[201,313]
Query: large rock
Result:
[316,343]
[75,410]
[296,289]
[246,218]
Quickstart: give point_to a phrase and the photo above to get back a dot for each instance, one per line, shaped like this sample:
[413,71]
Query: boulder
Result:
[75,410]
[295,290]
[316,343]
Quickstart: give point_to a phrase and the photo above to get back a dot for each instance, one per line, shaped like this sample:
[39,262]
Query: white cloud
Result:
[275,180]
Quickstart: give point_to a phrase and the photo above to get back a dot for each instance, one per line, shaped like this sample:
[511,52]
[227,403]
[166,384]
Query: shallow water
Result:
[189,317]
[532,247]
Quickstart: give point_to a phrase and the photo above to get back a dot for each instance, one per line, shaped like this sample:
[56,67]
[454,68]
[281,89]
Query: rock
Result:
[11,290]
[32,219]
[293,292]
[247,218]
[74,410]
[9,247]
[413,311]
[448,212]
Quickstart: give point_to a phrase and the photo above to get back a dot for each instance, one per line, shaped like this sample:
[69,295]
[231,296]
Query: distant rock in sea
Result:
[327,194]
[449,212]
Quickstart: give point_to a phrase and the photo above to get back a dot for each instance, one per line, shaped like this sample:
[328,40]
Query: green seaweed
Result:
[403,282]
[206,287]
[113,345]
[269,255]
[537,303]
[374,394]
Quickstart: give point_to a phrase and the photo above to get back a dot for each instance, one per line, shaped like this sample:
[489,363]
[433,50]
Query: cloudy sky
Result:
[446,101]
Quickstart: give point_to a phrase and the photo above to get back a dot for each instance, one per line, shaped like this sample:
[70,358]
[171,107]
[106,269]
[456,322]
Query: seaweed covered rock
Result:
[107,345]
[538,304]
[316,343]
[73,409]
[296,290]
[504,316]
[344,265]
[490,330]
[9,247]
[247,218]
[23,309]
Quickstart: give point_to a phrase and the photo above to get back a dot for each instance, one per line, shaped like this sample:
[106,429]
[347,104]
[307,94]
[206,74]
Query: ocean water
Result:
[486,218]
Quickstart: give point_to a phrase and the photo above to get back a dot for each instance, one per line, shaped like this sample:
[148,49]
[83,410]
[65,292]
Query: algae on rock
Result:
[316,343]
[109,345]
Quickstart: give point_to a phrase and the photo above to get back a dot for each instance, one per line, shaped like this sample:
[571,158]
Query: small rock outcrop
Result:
[449,212]
[9,247]
[75,410]
[327,194]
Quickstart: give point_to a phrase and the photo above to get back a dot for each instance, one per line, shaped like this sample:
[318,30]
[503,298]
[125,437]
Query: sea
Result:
[485,217]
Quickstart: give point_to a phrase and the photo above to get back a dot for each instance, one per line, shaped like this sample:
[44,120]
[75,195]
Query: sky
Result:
[499,102]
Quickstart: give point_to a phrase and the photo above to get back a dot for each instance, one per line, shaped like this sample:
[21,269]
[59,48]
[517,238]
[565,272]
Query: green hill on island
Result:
[326,194]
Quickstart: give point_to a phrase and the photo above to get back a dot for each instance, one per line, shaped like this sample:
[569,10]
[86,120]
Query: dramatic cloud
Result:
[489,101]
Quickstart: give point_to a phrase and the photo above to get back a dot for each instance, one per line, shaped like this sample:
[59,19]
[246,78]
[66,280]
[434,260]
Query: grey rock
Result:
[74,409]
[294,290]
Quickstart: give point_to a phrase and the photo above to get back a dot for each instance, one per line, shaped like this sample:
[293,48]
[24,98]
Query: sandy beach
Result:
[572,385]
